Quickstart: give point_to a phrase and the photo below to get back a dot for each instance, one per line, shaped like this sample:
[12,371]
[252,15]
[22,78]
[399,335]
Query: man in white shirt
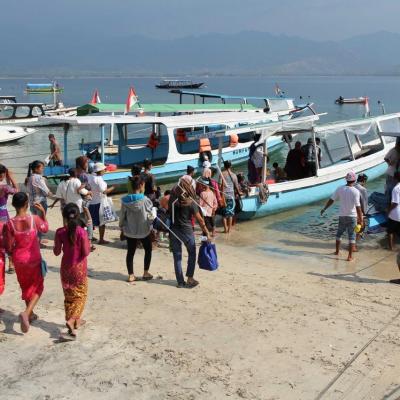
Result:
[393,225]
[349,212]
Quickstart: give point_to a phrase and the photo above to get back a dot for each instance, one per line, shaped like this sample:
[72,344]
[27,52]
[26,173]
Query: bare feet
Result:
[350,258]
[33,317]
[104,242]
[131,278]
[24,321]
[71,328]
[79,323]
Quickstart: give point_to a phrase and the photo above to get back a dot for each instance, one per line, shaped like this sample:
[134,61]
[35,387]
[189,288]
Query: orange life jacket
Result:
[205,145]
[153,142]
[233,140]
[181,136]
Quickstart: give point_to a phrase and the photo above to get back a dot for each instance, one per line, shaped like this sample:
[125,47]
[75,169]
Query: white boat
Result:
[356,145]
[171,156]
[14,133]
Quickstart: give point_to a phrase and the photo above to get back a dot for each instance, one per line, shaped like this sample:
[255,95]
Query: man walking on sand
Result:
[349,212]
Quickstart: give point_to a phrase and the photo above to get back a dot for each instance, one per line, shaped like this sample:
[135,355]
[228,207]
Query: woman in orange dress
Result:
[22,243]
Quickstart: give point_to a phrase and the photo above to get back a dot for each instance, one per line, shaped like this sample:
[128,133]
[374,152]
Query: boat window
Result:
[141,141]
[23,112]
[276,105]
[6,112]
[36,111]
[363,140]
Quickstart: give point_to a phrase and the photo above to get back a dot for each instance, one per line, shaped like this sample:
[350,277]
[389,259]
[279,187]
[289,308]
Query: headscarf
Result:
[184,191]
[207,173]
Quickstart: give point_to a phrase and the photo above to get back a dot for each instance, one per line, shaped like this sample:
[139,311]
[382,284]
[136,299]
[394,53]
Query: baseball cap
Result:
[99,167]
[351,177]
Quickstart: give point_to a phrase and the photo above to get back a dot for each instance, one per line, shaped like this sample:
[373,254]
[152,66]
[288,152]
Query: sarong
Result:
[75,300]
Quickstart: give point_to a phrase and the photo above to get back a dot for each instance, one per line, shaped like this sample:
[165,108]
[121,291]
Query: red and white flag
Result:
[131,100]
[95,98]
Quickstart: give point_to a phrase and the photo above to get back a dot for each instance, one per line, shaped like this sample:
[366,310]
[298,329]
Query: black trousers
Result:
[148,248]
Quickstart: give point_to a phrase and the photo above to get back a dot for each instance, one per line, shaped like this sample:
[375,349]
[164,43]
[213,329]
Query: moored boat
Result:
[357,145]
[179,84]
[171,142]
[10,134]
[38,88]
[354,100]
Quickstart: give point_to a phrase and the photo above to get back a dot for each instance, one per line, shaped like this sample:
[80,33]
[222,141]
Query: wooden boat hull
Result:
[287,195]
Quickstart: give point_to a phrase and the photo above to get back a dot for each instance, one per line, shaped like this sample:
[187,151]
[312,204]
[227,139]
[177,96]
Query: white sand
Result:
[274,322]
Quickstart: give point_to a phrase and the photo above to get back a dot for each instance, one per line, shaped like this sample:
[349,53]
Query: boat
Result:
[10,134]
[354,145]
[39,88]
[281,105]
[172,155]
[355,100]
[27,114]
[179,83]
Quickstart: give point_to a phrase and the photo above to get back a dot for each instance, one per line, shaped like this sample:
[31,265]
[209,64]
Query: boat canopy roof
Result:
[39,85]
[169,121]
[9,98]
[224,96]
[163,108]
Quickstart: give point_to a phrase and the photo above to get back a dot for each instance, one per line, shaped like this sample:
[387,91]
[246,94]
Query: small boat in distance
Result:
[39,88]
[353,100]
[179,84]
[13,133]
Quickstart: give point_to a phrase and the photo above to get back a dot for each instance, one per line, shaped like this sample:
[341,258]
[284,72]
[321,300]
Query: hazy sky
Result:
[314,19]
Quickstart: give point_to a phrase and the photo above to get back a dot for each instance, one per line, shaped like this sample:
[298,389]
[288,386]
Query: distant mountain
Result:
[242,53]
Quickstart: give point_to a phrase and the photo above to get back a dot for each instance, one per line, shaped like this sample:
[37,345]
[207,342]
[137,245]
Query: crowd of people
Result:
[146,217]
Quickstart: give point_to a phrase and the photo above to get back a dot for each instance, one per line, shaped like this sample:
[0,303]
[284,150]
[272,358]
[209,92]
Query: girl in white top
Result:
[99,188]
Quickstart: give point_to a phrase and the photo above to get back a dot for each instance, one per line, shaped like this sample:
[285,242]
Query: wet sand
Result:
[278,320]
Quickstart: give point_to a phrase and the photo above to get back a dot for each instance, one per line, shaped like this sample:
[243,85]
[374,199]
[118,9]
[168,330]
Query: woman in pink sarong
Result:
[22,242]
[73,241]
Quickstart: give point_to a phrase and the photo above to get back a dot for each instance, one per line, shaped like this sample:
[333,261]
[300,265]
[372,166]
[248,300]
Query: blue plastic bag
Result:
[207,258]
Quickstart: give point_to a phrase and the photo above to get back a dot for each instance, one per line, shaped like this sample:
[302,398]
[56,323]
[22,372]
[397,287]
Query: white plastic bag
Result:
[47,160]
[107,213]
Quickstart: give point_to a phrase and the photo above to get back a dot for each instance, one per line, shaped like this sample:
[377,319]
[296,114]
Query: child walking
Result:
[21,239]
[73,241]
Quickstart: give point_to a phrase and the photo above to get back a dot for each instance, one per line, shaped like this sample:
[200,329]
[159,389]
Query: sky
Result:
[311,19]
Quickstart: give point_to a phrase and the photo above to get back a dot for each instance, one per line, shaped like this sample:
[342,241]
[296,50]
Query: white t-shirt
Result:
[98,186]
[68,191]
[395,213]
[349,198]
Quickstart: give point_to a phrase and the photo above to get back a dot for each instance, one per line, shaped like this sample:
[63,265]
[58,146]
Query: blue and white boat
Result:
[171,155]
[357,145]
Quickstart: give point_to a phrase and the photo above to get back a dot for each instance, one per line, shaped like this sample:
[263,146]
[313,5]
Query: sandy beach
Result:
[278,320]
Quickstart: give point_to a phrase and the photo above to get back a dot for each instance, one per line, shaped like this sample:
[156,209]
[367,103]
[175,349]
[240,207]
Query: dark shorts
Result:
[229,210]
[94,210]
[393,227]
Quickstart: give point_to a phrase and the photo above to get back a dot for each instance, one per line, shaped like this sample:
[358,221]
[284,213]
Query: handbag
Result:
[107,213]
[207,258]
[43,267]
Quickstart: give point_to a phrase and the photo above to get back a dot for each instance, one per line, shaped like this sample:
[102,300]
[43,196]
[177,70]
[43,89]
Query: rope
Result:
[354,358]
